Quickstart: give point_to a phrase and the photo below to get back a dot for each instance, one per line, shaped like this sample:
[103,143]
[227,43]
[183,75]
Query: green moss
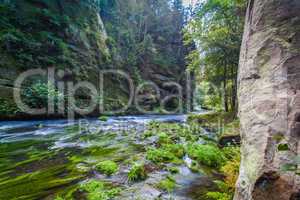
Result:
[231,173]
[283,147]
[37,184]
[153,125]
[194,166]
[166,153]
[163,138]
[230,170]
[107,167]
[231,152]
[98,190]
[167,184]
[173,170]
[231,129]
[59,198]
[278,137]
[137,172]
[209,155]
[170,133]
[147,134]
[218,196]
[176,149]
[205,118]
[92,186]
[100,152]
[216,121]
[160,155]
[103,118]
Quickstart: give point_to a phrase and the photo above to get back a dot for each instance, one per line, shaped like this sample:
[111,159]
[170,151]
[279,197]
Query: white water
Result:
[11,131]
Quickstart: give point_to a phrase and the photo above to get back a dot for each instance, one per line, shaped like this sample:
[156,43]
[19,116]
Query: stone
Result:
[140,191]
[228,140]
[269,100]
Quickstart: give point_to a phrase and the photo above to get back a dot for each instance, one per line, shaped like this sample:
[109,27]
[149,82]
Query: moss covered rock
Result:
[107,167]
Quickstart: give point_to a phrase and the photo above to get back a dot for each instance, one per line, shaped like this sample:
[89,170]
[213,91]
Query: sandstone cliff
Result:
[269,101]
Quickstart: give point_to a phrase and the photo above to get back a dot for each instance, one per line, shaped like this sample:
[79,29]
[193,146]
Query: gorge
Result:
[149,99]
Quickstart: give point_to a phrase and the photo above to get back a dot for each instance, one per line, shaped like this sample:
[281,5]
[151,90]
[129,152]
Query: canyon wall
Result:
[83,37]
[269,101]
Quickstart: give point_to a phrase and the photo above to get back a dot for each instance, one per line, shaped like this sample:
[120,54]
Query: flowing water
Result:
[41,158]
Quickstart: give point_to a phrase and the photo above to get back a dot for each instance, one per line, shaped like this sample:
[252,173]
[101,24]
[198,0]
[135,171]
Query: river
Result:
[39,159]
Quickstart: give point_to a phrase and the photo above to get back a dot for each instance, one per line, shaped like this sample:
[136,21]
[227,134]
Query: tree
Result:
[217,27]
[147,37]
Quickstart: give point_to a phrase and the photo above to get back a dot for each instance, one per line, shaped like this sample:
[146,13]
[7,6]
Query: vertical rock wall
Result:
[269,100]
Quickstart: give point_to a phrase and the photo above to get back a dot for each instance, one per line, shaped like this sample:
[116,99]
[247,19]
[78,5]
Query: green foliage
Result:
[97,190]
[218,27]
[92,186]
[209,96]
[36,96]
[59,198]
[41,178]
[160,155]
[37,34]
[220,122]
[167,184]
[231,152]
[170,133]
[232,167]
[163,138]
[176,149]
[167,153]
[137,172]
[136,39]
[218,196]
[45,34]
[225,192]
[205,119]
[42,42]
[107,167]
[209,155]
[8,107]
[232,128]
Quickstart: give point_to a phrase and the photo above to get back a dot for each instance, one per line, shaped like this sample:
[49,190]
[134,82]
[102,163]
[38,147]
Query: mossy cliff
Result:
[83,37]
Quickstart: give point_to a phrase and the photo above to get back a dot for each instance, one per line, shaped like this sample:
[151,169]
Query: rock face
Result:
[65,35]
[84,37]
[269,100]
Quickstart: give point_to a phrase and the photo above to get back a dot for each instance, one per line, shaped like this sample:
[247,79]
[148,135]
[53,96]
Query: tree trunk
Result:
[233,89]
[269,100]
[225,89]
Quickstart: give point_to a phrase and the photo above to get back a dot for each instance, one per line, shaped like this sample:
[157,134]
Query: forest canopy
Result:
[216,28]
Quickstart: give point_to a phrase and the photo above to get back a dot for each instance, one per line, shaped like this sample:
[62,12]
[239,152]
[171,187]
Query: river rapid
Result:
[39,159]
